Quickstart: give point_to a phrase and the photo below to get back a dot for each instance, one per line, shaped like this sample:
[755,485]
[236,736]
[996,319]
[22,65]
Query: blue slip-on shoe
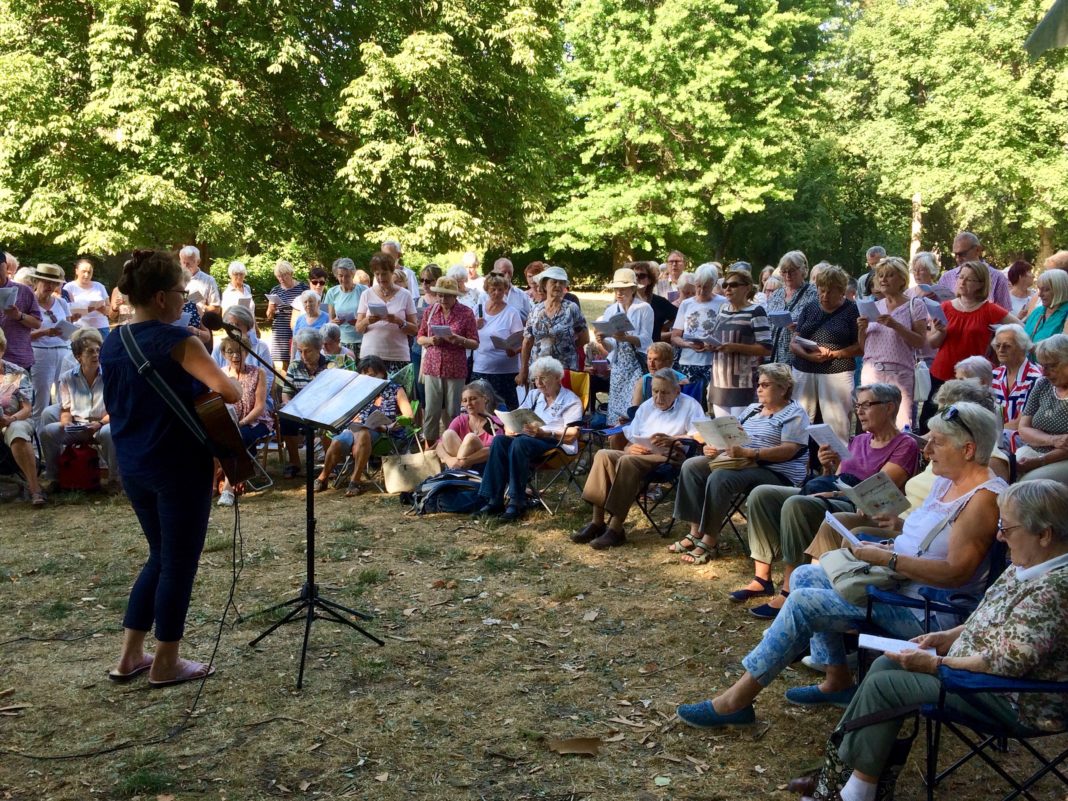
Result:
[767,587]
[814,696]
[705,716]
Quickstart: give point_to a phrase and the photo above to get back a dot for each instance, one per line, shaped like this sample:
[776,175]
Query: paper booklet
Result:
[248,303]
[183,321]
[66,328]
[277,300]
[375,420]
[616,324]
[440,331]
[934,308]
[869,310]
[876,496]
[824,435]
[836,524]
[722,433]
[806,344]
[512,342]
[377,310]
[708,339]
[940,292]
[332,399]
[194,297]
[514,421]
[8,296]
[780,319]
[888,645]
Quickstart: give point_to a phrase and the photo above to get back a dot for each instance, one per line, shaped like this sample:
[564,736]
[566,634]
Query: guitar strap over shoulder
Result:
[148,372]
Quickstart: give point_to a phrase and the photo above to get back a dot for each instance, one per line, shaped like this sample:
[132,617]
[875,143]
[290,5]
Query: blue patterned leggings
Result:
[816,615]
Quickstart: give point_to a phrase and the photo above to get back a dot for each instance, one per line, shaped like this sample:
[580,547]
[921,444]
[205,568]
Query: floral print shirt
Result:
[555,336]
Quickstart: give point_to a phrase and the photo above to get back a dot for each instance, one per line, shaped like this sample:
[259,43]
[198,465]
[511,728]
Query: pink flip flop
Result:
[189,671]
[122,678]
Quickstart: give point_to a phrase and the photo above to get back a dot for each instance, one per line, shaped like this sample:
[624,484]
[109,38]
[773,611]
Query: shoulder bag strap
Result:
[148,372]
[937,529]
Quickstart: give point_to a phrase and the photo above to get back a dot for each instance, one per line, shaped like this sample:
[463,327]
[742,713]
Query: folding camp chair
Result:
[665,480]
[981,737]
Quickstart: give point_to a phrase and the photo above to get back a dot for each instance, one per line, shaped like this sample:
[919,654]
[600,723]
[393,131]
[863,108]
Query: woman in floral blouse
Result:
[1017,631]
[556,327]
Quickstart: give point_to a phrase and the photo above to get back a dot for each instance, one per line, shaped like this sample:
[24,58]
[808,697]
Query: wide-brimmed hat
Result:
[445,286]
[624,278]
[555,273]
[48,272]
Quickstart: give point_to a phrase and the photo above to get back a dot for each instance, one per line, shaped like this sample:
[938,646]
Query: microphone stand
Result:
[308,602]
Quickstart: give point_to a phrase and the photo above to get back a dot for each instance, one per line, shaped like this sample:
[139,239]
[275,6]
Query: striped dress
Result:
[734,375]
[281,330]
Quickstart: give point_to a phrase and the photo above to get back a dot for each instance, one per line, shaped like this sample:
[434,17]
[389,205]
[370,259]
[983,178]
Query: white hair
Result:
[975,367]
[331,332]
[309,336]
[190,250]
[283,267]
[685,280]
[457,273]
[470,259]
[707,274]
[236,268]
[392,244]
[1023,341]
[306,295]
[977,425]
[547,365]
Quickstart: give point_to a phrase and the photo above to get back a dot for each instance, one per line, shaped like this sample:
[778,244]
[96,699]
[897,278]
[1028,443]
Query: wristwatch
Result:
[892,564]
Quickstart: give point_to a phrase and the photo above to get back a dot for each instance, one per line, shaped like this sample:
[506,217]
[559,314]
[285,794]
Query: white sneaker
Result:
[226,498]
[810,663]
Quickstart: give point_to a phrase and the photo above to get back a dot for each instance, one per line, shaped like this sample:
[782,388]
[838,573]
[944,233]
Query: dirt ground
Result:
[498,638]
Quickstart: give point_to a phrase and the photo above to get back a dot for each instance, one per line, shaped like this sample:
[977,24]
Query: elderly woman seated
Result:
[307,363]
[360,436]
[1044,421]
[82,416]
[974,368]
[1014,377]
[336,353]
[957,524]
[785,519]
[616,475]
[778,433]
[16,397]
[514,453]
[1017,631]
[465,444]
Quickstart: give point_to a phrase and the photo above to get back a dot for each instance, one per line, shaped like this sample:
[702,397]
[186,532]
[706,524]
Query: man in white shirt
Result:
[616,476]
[966,247]
[200,281]
[676,264]
[516,298]
[393,248]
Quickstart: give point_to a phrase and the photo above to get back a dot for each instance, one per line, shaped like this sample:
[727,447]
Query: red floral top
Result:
[447,361]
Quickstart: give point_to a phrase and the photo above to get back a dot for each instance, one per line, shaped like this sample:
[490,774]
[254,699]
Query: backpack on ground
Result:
[454,491]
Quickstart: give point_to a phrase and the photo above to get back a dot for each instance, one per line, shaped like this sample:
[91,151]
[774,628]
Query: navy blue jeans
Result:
[173,513]
[509,467]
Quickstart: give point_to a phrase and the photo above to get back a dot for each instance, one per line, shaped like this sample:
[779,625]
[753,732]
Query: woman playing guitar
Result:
[166,473]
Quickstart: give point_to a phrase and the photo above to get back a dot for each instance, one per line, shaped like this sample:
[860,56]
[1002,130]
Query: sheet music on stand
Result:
[332,399]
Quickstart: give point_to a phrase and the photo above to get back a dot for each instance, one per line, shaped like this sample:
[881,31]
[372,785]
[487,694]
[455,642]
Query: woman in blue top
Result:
[166,474]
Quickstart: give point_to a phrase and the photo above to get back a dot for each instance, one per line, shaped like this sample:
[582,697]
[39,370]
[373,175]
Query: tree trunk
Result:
[1045,246]
[621,252]
[917,226]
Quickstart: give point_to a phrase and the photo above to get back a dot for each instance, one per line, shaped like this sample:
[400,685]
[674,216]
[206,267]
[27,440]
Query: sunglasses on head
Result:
[952,415]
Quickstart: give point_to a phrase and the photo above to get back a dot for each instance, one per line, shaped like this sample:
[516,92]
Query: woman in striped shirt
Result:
[742,327]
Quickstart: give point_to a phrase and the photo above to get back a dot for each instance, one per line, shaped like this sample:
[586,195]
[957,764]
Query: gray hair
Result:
[794,258]
[502,262]
[547,365]
[392,244]
[484,388]
[984,425]
[928,260]
[969,237]
[1023,341]
[706,275]
[457,273]
[283,267]
[331,332]
[306,295]
[242,315]
[82,339]
[190,250]
[958,391]
[1056,281]
[876,251]
[666,374]
[236,268]
[780,374]
[343,263]
[309,336]
[1039,504]
[772,283]
[884,393]
[1053,349]
[686,279]
[976,367]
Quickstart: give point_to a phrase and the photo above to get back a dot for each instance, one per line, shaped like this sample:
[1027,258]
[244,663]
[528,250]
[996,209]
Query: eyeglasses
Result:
[1003,529]
[764,384]
[866,405]
[961,255]
[642,277]
[500,275]
[426,280]
[734,285]
[675,261]
[790,271]
[1001,345]
[317,283]
[952,415]
[183,292]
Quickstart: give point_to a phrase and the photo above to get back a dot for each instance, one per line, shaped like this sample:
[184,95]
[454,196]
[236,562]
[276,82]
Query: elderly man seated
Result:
[82,416]
[615,476]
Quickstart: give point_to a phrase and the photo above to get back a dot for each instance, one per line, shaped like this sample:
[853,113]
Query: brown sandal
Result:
[355,488]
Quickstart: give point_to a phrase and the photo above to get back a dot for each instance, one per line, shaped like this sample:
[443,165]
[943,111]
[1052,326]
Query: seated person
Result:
[245,322]
[253,419]
[16,398]
[658,356]
[782,518]
[307,363]
[358,439]
[513,453]
[81,405]
[616,475]
[336,353]
[1044,422]
[962,514]
[778,433]
[974,368]
[465,444]
[1014,377]
[1017,631]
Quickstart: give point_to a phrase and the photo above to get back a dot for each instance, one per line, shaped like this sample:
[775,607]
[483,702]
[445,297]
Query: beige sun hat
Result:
[624,278]
[48,272]
[445,286]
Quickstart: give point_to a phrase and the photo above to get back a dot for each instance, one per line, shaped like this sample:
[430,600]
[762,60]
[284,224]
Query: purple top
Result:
[19,351]
[865,461]
[999,285]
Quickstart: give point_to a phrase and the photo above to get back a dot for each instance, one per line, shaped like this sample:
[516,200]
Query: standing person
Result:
[623,349]
[1021,275]
[51,352]
[890,344]
[90,295]
[317,280]
[676,266]
[469,296]
[824,376]
[237,293]
[1051,315]
[343,303]
[697,318]
[967,248]
[386,335]
[664,310]
[280,312]
[166,473]
[514,297]
[556,327]
[474,272]
[796,293]
[497,366]
[924,270]
[411,282]
[865,286]
[314,315]
[200,281]
[18,320]
[742,327]
[445,357]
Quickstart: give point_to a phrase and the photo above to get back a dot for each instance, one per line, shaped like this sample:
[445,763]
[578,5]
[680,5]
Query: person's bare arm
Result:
[194,358]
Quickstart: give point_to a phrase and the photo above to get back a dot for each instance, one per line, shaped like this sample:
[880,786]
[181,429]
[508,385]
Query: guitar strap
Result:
[148,372]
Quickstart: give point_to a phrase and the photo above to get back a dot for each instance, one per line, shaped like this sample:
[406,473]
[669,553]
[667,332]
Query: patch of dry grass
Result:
[495,637]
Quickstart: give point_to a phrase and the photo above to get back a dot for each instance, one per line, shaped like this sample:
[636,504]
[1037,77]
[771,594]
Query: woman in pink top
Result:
[890,343]
[385,316]
[466,442]
[444,364]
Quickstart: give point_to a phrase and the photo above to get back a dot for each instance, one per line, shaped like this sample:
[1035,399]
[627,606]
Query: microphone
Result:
[213,321]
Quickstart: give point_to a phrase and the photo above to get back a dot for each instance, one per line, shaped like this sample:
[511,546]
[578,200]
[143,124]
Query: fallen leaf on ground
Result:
[615,738]
[591,616]
[585,746]
[649,667]
[382,777]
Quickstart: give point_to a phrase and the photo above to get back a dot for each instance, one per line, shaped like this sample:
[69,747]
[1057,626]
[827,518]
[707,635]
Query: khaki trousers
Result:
[614,480]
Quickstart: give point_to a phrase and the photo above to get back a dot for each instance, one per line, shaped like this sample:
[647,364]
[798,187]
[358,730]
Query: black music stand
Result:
[335,397]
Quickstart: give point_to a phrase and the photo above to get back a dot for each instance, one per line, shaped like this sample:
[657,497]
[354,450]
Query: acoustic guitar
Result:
[224,437]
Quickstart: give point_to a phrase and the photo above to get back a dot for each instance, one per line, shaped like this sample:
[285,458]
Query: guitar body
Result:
[225,437]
